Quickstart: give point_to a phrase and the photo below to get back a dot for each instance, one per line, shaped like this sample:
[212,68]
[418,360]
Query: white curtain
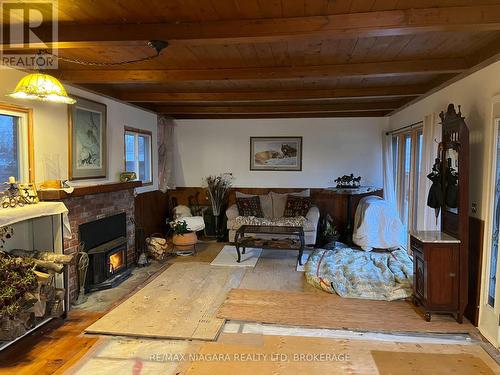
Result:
[426,216]
[166,163]
[389,188]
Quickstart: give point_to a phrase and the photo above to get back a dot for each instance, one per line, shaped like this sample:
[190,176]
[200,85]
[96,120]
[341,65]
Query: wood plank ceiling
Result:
[272,58]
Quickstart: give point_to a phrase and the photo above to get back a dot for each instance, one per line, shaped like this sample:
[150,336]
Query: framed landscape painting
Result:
[275,153]
[87,140]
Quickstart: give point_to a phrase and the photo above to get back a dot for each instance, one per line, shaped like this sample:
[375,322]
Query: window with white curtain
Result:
[407,161]
[138,154]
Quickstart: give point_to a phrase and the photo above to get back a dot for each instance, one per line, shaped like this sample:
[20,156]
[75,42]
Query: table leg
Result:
[350,224]
[301,250]
[236,242]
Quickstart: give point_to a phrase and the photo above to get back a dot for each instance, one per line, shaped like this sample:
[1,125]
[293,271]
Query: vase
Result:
[218,232]
[185,241]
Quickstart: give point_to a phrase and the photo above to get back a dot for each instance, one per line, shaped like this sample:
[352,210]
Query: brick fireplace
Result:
[88,204]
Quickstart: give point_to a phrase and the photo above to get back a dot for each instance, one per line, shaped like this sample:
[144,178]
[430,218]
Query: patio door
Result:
[489,311]
[407,159]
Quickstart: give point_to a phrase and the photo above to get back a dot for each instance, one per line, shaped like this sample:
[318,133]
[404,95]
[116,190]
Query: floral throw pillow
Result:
[296,206]
[249,206]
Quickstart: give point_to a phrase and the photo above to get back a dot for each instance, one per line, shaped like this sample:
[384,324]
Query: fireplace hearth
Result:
[105,242]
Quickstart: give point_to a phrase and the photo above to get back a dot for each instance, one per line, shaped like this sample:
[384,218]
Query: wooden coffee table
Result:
[242,242]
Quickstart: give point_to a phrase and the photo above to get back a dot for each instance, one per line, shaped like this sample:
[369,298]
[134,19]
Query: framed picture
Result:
[87,140]
[275,153]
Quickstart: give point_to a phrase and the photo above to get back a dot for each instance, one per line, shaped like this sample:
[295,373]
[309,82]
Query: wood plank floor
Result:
[52,348]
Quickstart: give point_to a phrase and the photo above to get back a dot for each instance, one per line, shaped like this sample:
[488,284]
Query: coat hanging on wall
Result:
[435,198]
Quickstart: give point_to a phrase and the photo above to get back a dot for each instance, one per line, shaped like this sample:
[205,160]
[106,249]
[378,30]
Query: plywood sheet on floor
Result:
[276,270]
[403,363]
[307,355]
[259,354]
[331,311]
[180,303]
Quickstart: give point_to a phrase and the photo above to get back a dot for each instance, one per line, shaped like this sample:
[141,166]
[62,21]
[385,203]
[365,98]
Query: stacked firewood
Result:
[30,295]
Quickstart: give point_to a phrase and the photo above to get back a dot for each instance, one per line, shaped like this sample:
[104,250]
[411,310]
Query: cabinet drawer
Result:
[419,276]
[416,245]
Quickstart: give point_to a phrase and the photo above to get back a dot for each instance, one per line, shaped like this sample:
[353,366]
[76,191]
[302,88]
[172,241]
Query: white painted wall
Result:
[475,94]
[331,147]
[51,132]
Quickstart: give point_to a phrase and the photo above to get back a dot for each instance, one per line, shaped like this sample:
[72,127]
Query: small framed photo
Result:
[28,193]
[275,153]
[87,140]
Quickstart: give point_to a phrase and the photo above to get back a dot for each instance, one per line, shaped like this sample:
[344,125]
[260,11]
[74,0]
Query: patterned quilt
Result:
[357,274]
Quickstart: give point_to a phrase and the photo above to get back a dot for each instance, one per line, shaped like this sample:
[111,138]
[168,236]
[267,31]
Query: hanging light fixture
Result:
[40,86]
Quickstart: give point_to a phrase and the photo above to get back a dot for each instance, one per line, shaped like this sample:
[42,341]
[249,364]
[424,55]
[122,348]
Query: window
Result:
[407,159]
[16,146]
[138,153]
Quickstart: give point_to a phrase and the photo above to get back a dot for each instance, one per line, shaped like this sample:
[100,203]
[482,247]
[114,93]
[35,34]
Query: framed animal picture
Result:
[87,140]
[275,153]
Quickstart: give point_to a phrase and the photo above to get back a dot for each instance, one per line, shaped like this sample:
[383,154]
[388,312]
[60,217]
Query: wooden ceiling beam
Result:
[375,69]
[277,95]
[279,109]
[280,115]
[340,26]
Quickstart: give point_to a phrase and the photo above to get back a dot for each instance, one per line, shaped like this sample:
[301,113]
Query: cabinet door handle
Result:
[452,274]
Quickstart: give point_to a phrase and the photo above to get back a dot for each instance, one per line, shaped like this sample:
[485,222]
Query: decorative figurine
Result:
[348,182]
[12,197]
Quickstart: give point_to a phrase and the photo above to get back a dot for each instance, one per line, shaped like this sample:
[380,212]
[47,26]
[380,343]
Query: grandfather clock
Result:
[440,274]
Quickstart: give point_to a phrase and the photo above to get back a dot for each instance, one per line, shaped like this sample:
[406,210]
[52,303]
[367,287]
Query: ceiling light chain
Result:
[157,45]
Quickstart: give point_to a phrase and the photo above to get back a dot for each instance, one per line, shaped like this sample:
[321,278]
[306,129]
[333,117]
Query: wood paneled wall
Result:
[151,211]
[476,242]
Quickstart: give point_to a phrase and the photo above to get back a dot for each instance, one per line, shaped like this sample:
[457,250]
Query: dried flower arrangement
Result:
[17,278]
[5,233]
[218,189]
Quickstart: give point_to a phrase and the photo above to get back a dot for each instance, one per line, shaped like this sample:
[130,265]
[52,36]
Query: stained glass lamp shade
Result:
[39,86]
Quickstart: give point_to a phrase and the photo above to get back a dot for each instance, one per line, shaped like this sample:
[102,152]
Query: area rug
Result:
[323,310]
[228,257]
[180,303]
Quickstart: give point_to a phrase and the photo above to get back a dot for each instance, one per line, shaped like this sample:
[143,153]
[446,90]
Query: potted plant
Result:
[329,233]
[182,237]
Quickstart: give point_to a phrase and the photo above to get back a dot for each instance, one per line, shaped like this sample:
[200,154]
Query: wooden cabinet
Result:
[440,270]
[436,269]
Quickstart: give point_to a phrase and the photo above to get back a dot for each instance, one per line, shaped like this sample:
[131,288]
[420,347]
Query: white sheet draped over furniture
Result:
[377,225]
[9,215]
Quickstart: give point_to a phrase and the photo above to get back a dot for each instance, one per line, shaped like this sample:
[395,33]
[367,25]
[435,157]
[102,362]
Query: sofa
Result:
[273,207]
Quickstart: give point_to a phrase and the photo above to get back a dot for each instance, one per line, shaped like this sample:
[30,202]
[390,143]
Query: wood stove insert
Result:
[105,242]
